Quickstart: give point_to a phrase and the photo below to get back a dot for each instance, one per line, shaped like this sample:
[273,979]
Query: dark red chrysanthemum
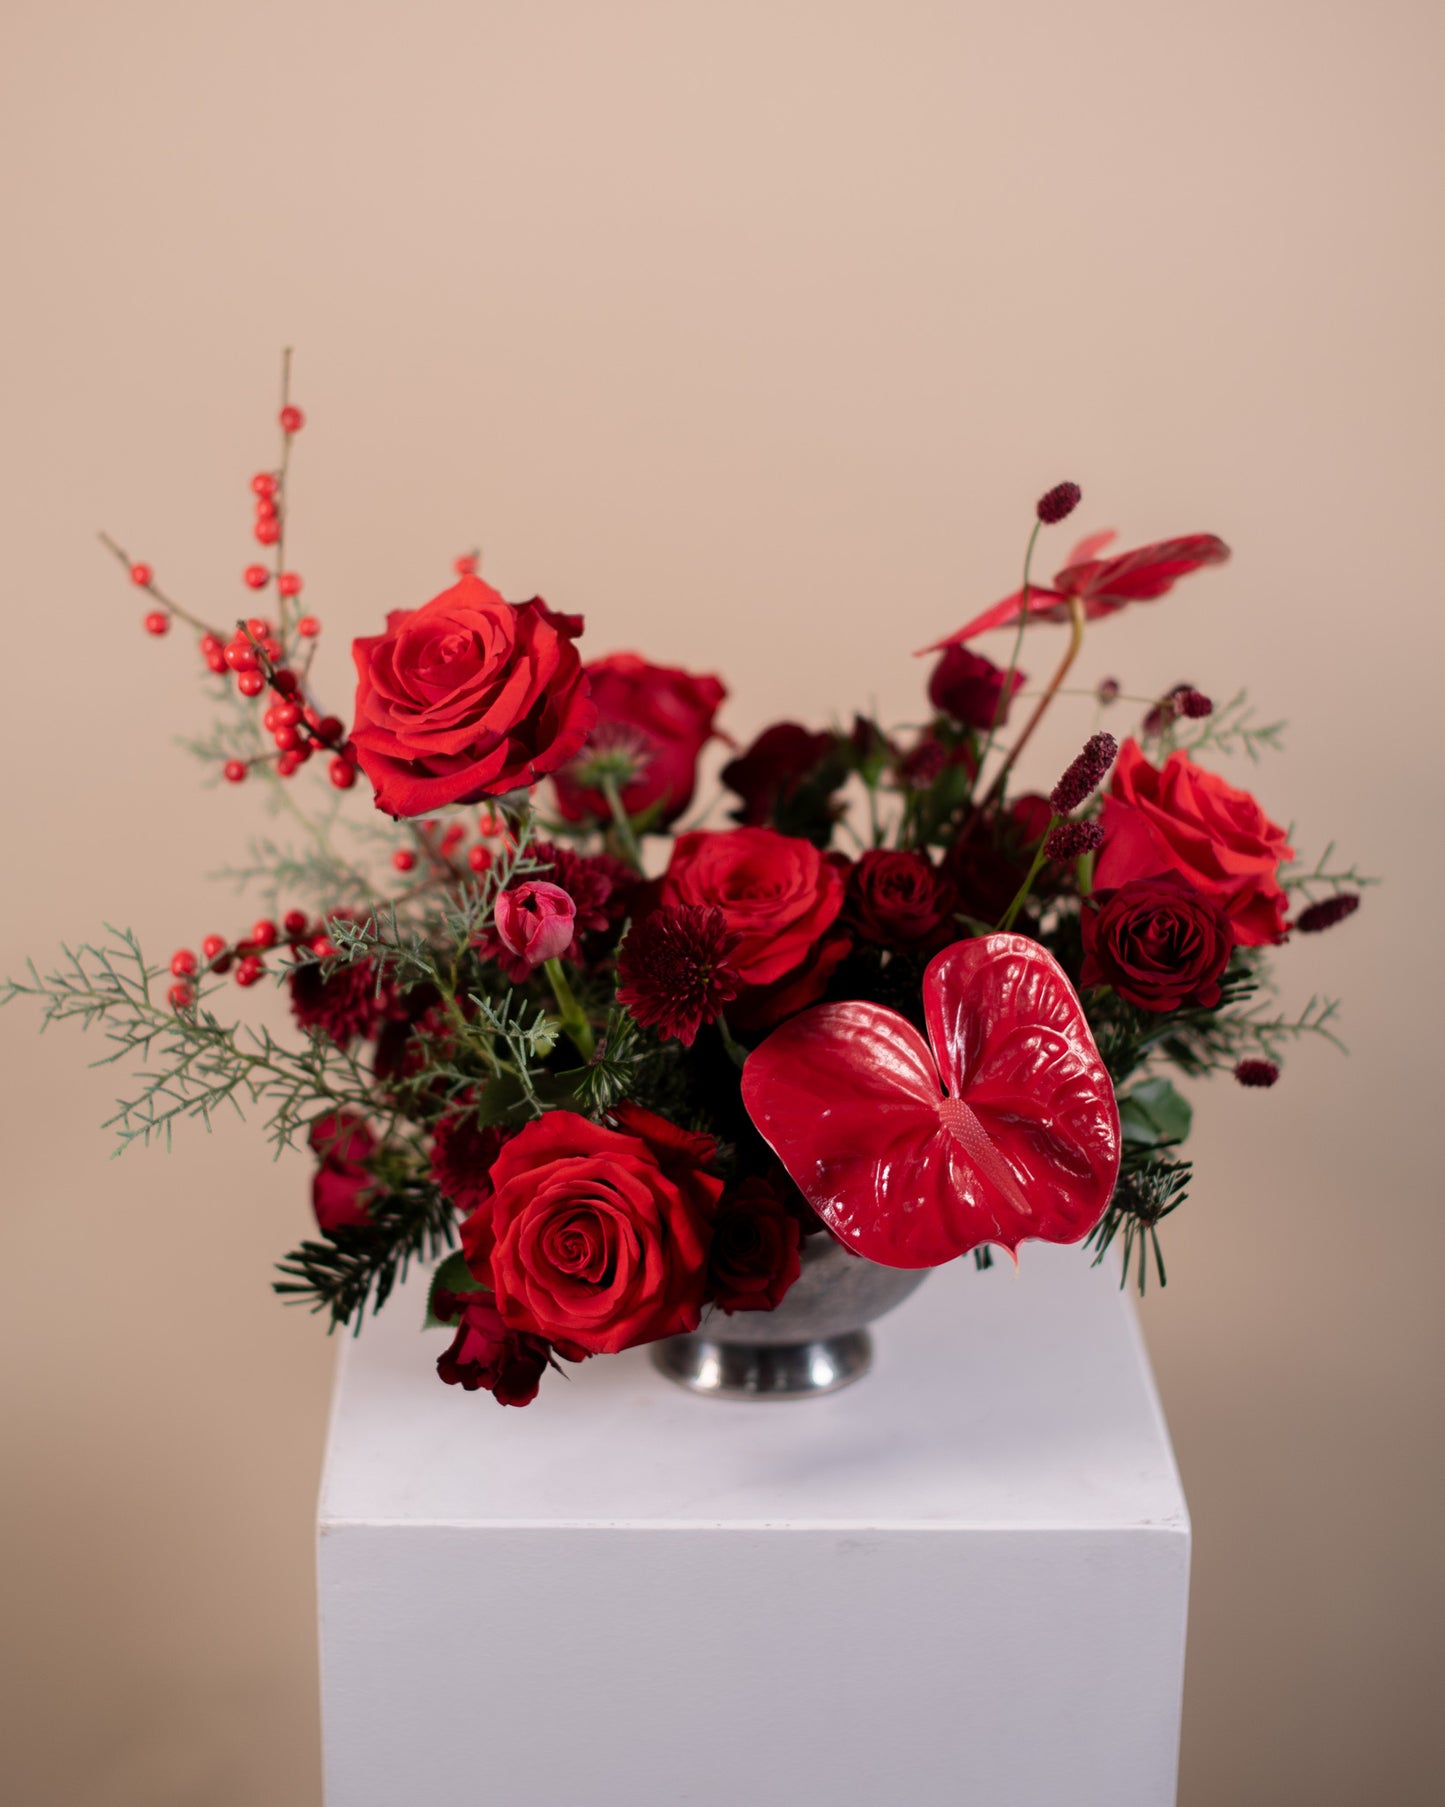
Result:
[673,971]
[344,1005]
[1256,1072]
[1059,502]
[1318,917]
[461,1157]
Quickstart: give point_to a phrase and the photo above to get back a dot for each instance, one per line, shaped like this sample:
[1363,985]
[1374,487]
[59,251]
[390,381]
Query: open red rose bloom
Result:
[1001,1127]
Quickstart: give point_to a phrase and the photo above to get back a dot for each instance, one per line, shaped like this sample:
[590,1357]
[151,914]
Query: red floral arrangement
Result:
[611,1070]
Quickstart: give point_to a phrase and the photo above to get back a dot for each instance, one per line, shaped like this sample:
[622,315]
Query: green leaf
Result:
[453,1276]
[1154,1112]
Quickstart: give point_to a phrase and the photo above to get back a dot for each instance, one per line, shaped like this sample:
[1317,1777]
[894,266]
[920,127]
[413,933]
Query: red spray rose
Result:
[485,1354]
[341,1185]
[780,897]
[754,1258]
[1001,1126]
[652,723]
[534,924]
[898,900]
[1103,585]
[593,1238]
[1160,943]
[970,688]
[1184,819]
[467,697]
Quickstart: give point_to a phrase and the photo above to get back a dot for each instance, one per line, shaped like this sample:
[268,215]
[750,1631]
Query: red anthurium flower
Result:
[1103,584]
[1002,1126]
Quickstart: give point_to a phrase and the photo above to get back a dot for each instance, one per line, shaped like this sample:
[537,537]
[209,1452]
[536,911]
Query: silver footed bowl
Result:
[811,1344]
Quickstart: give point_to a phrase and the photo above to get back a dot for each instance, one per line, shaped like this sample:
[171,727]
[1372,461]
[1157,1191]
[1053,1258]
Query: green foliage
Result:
[359,1264]
[1152,1112]
[1322,878]
[1149,1188]
[1230,729]
[453,1276]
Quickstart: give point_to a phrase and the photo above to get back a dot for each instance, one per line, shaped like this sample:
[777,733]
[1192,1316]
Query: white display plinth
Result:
[961,1581]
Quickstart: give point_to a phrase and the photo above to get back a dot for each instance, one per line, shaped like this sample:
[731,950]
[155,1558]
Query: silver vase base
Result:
[721,1370]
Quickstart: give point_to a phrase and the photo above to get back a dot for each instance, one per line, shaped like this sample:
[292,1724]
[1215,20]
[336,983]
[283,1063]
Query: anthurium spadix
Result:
[1000,1127]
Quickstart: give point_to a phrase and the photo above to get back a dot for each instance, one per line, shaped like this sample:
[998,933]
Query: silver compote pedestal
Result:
[813,1343]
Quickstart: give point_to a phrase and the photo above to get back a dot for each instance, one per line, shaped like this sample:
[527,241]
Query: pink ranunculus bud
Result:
[535,922]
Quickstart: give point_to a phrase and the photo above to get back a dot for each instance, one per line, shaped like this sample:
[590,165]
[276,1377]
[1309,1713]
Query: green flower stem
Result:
[1003,696]
[573,1018]
[1076,640]
[1006,921]
[737,1053]
[621,821]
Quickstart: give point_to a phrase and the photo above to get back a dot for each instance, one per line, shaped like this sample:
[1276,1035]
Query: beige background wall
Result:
[752,330]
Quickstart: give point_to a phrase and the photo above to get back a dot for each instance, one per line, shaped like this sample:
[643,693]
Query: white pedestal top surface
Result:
[998,1400]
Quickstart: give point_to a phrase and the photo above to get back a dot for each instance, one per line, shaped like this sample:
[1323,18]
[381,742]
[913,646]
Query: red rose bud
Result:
[1085,775]
[1324,915]
[1070,839]
[485,1355]
[534,923]
[1059,503]
[673,971]
[1160,943]
[970,688]
[342,1185]
[1256,1072]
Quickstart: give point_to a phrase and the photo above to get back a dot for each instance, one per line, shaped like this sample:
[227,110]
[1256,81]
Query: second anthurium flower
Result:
[1000,1127]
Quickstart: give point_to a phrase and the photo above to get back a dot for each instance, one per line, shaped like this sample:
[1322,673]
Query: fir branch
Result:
[361,1263]
[1321,877]
[190,1065]
[609,1075]
[1150,1186]
[1230,729]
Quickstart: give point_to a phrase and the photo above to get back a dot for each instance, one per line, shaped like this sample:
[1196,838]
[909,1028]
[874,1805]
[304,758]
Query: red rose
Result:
[467,697]
[970,688]
[509,1364]
[591,1239]
[898,900]
[780,896]
[1184,819]
[754,1257]
[652,723]
[1160,943]
[342,1184]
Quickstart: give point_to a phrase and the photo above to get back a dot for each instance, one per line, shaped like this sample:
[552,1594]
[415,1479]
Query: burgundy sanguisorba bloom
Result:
[673,971]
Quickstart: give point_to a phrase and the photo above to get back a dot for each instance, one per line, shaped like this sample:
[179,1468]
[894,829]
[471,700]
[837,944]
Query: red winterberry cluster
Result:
[244,956]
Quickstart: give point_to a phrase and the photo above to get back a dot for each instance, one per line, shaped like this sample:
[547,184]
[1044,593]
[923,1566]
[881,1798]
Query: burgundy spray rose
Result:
[970,688]
[467,697]
[754,1258]
[899,900]
[485,1353]
[1160,943]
